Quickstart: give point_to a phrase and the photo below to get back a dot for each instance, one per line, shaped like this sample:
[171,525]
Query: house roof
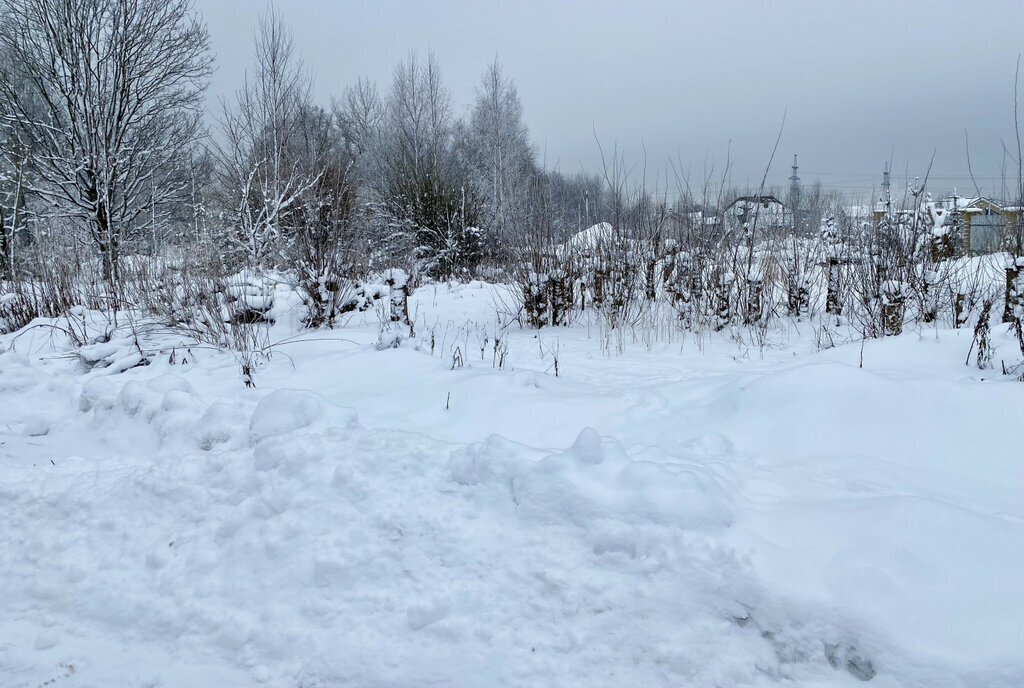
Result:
[762,199]
[981,202]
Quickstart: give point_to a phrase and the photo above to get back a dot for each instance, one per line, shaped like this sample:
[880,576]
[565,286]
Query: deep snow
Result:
[675,515]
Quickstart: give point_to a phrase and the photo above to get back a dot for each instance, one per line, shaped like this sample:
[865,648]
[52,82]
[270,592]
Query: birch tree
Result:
[262,175]
[499,150]
[429,207]
[12,205]
[360,116]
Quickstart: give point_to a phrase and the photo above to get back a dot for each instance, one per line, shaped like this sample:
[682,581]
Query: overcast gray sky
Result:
[860,81]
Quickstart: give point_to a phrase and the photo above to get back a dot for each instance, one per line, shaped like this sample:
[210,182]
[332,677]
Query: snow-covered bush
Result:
[547,298]
[545,274]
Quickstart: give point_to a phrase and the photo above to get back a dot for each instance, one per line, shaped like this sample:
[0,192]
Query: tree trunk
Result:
[930,296]
[6,262]
[893,307]
[832,302]
[960,311]
[755,298]
[1014,300]
[798,299]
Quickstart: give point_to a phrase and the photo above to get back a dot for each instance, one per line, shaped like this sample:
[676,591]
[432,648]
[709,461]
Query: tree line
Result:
[103,135]
[107,157]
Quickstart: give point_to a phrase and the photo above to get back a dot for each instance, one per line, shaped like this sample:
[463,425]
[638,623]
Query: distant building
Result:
[984,222]
[767,209]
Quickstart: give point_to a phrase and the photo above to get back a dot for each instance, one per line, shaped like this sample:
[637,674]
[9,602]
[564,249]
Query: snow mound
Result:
[15,379]
[288,410]
[97,392]
[596,479]
[591,238]
[221,424]
[37,425]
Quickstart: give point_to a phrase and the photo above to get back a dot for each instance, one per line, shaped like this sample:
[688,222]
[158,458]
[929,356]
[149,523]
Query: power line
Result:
[874,175]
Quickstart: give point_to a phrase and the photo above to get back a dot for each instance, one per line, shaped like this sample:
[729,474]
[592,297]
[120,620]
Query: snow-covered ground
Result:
[677,515]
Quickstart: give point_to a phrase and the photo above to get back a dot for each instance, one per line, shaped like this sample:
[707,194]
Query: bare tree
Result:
[325,238]
[13,159]
[11,189]
[119,84]
[427,207]
[418,122]
[261,175]
[499,152]
[360,115]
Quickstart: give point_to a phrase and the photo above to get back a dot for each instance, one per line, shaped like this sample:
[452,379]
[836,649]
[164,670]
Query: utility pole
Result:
[794,190]
[886,189]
